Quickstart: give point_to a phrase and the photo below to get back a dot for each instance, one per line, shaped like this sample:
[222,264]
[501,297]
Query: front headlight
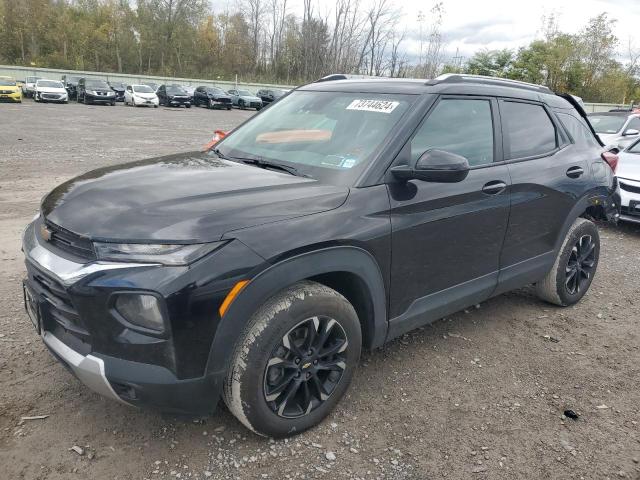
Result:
[165,254]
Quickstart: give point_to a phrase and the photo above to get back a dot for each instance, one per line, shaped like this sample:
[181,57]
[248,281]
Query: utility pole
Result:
[420,22]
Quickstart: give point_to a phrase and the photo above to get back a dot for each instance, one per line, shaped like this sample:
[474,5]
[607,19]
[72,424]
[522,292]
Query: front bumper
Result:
[53,97]
[100,98]
[169,371]
[15,97]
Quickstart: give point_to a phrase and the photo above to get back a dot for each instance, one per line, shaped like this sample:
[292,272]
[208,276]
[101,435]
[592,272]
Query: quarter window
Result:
[527,129]
[460,126]
[579,132]
[634,124]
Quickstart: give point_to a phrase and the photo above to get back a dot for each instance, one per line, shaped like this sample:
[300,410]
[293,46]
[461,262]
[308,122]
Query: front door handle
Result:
[575,172]
[494,187]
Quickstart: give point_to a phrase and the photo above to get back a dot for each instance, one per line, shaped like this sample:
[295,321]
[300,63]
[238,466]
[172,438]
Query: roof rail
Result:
[344,76]
[485,80]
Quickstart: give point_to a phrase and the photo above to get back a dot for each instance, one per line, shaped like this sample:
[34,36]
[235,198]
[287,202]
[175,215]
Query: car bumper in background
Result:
[100,98]
[11,97]
[629,200]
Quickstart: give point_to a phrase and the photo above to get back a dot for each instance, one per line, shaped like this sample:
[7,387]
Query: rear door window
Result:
[527,130]
[460,126]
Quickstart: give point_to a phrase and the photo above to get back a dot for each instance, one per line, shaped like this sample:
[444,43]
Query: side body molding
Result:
[349,259]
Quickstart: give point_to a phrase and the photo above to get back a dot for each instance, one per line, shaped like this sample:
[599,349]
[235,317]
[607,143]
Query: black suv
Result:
[173,96]
[269,95]
[91,90]
[211,97]
[346,214]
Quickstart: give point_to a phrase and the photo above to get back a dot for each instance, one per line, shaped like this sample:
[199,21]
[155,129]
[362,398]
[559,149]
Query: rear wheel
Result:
[575,265]
[294,361]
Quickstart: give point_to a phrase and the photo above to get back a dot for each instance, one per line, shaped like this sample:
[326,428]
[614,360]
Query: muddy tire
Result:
[294,361]
[575,265]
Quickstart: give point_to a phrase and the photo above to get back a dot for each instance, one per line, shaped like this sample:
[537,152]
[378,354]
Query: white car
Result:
[628,173]
[29,86]
[619,129]
[140,95]
[50,91]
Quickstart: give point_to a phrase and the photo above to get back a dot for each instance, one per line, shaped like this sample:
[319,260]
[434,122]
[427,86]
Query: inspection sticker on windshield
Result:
[381,106]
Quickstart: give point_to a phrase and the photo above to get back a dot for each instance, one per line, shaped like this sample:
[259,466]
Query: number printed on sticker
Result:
[381,106]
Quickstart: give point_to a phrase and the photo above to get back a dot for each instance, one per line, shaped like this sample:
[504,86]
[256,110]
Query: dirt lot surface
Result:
[480,394]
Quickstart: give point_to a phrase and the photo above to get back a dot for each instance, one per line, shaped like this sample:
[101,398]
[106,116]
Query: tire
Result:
[229,107]
[575,266]
[241,105]
[188,106]
[257,356]
[113,104]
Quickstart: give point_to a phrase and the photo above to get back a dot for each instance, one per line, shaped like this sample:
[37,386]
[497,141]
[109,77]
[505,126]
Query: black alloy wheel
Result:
[580,265]
[306,367]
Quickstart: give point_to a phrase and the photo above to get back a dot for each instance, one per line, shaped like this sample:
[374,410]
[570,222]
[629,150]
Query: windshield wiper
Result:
[220,154]
[260,162]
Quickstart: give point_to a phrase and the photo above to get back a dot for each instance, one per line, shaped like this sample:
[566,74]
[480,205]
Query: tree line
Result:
[271,41]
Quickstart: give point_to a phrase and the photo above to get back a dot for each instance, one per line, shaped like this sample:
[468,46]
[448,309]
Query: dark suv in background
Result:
[269,95]
[92,90]
[173,96]
[119,89]
[70,83]
[211,97]
[348,213]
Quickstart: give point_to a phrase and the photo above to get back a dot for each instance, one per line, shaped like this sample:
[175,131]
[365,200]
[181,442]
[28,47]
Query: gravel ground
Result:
[480,394]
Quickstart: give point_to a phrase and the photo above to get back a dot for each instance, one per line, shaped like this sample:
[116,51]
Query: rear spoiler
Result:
[583,114]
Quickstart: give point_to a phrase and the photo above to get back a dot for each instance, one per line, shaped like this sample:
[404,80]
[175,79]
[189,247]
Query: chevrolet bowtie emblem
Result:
[45,233]
[306,365]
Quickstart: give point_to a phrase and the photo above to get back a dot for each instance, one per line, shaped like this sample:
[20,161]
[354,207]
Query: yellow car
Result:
[9,90]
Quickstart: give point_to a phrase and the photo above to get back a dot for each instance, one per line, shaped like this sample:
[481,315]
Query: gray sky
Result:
[470,25]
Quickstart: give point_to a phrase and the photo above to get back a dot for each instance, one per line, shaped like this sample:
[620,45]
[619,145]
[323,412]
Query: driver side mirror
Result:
[438,166]
[630,132]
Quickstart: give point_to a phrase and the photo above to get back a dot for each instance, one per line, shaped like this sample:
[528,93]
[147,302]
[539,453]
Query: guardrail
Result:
[20,73]
[604,107]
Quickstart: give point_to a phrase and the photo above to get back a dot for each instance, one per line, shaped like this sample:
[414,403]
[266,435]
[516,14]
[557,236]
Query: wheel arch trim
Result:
[275,278]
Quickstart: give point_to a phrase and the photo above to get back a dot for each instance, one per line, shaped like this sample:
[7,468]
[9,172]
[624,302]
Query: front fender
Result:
[275,278]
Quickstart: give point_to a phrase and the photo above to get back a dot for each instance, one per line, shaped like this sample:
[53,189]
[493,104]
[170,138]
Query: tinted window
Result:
[527,128]
[635,148]
[578,130]
[96,84]
[463,127]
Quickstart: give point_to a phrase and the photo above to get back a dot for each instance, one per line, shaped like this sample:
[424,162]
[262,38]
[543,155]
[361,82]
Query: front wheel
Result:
[575,265]
[294,361]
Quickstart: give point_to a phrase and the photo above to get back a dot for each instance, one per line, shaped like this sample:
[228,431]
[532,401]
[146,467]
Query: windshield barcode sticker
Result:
[381,106]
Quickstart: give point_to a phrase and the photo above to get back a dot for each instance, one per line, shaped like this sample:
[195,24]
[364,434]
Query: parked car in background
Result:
[173,96]
[91,90]
[118,88]
[29,86]
[628,173]
[616,128]
[153,85]
[140,95]
[71,84]
[245,99]
[9,90]
[269,95]
[346,215]
[189,89]
[211,97]
[50,91]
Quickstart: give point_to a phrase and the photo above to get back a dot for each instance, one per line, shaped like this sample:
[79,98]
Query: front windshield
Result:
[4,82]
[96,84]
[142,89]
[326,135]
[49,84]
[245,93]
[607,123]
[217,91]
[173,90]
[152,85]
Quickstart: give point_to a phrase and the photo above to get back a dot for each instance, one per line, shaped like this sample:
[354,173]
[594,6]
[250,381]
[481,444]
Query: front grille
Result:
[629,188]
[224,100]
[70,242]
[52,96]
[59,307]
[629,211]
[6,92]
[255,104]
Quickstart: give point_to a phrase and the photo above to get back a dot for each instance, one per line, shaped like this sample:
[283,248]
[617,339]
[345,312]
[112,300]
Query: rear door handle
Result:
[575,172]
[494,187]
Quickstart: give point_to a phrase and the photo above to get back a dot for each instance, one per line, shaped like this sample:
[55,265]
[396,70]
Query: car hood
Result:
[10,88]
[145,95]
[629,166]
[189,197]
[219,95]
[249,98]
[51,90]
